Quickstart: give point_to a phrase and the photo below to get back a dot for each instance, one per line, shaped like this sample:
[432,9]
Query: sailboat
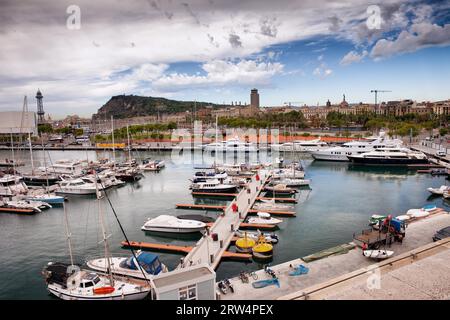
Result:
[70,282]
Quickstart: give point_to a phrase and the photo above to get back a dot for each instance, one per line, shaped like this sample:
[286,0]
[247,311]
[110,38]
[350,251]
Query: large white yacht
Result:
[390,156]
[300,146]
[341,153]
[231,145]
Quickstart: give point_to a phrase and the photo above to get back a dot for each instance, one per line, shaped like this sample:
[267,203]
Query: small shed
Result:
[189,283]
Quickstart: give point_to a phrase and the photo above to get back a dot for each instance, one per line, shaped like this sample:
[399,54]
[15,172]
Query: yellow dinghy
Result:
[245,244]
[262,249]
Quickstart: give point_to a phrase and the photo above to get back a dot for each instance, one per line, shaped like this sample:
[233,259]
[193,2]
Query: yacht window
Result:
[188,293]
[88,284]
[96,280]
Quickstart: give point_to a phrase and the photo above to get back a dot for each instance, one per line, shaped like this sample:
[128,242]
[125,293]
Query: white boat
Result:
[213,186]
[268,237]
[46,197]
[403,217]
[128,266]
[12,185]
[341,153]
[417,213]
[300,146]
[171,224]
[231,145]
[68,167]
[77,187]
[152,165]
[270,205]
[392,156]
[28,204]
[264,218]
[215,175]
[288,173]
[439,191]
[68,282]
[291,182]
[280,189]
[378,254]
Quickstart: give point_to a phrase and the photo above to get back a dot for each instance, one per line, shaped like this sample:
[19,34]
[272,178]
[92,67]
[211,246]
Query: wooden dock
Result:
[215,194]
[199,207]
[287,199]
[245,225]
[208,251]
[180,249]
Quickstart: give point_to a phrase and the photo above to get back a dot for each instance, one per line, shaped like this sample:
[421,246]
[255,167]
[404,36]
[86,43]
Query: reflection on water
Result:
[340,202]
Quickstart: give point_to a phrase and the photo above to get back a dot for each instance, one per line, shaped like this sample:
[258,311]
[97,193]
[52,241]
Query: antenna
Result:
[376,96]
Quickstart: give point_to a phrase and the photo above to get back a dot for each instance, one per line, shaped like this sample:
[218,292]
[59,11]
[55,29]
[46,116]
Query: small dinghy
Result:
[429,207]
[265,283]
[417,213]
[439,191]
[403,217]
[378,254]
[280,188]
[375,218]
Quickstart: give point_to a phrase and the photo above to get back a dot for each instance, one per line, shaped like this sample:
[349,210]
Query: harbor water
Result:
[341,200]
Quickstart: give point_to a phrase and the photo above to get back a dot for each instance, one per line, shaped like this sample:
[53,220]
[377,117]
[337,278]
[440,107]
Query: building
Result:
[18,122]
[441,108]
[254,99]
[40,107]
[190,283]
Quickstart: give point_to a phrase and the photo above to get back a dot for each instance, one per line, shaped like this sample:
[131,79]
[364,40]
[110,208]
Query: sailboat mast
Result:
[45,162]
[129,146]
[105,236]
[12,153]
[68,234]
[31,153]
[113,146]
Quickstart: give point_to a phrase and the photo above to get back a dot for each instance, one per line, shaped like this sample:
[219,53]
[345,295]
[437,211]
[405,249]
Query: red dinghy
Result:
[104,290]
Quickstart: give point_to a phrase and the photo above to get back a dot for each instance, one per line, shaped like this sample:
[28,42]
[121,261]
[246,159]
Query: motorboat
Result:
[439,191]
[300,146]
[128,174]
[12,208]
[389,156]
[67,167]
[37,206]
[152,165]
[213,186]
[262,249]
[417,213]
[264,218]
[202,176]
[69,282]
[128,266]
[280,189]
[110,176]
[270,205]
[197,217]
[376,218]
[291,182]
[231,145]
[50,198]
[288,173]
[378,254]
[341,153]
[171,224]
[40,179]
[270,237]
[78,187]
[12,185]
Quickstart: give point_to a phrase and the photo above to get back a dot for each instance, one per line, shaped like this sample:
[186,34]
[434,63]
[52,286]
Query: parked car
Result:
[441,153]
[441,234]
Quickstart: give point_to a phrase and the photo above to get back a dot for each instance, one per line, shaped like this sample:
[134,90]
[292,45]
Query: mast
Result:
[129,146]
[45,162]
[31,153]
[113,146]
[69,242]
[105,236]
[12,153]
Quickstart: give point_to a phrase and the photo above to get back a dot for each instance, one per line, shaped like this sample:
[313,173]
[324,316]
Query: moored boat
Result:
[171,224]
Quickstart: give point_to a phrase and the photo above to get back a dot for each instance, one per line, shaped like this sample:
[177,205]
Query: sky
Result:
[80,53]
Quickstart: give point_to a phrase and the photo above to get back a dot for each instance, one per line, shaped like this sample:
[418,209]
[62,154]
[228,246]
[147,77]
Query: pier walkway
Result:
[209,251]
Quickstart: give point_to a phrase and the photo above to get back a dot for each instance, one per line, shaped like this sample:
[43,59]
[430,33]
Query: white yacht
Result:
[211,186]
[171,224]
[231,145]
[390,157]
[128,266]
[77,187]
[300,146]
[203,176]
[69,167]
[270,205]
[12,185]
[341,153]
[264,218]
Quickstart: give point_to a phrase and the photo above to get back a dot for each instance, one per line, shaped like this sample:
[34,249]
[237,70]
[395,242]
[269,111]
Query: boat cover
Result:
[265,283]
[148,261]
[299,270]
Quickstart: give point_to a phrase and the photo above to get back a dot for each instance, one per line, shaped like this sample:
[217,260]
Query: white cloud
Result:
[352,57]
[322,71]
[420,35]
[221,73]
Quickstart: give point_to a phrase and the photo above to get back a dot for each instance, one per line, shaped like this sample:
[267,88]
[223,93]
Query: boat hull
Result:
[215,190]
[115,296]
[387,161]
[172,229]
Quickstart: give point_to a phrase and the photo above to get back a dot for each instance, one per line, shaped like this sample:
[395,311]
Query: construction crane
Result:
[376,95]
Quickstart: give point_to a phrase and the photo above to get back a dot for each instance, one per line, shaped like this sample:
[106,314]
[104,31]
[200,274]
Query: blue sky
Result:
[212,50]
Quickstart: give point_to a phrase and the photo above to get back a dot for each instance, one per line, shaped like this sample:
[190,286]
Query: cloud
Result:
[235,40]
[268,26]
[419,36]
[322,71]
[221,73]
[352,57]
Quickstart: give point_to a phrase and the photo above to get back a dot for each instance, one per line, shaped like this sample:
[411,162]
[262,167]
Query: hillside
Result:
[128,106]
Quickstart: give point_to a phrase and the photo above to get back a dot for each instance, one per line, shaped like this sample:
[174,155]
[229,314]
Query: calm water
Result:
[340,202]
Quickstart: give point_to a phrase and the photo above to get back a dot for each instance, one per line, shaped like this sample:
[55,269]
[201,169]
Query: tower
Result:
[40,107]
[254,99]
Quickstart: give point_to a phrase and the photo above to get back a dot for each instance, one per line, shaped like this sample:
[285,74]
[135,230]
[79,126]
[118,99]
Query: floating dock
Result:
[287,199]
[199,207]
[181,249]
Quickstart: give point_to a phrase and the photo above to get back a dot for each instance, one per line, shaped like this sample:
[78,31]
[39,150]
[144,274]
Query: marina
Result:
[311,228]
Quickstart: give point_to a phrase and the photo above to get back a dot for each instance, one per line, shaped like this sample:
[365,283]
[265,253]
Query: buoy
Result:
[262,247]
[245,244]
[234,207]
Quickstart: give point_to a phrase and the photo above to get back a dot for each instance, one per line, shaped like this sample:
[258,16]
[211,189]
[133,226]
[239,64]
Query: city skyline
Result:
[302,52]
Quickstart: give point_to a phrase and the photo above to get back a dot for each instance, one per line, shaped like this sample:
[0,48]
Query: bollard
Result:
[248,201]
[211,258]
[221,244]
[232,227]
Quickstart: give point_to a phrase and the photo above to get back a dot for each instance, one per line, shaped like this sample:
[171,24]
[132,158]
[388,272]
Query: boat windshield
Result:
[149,262]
